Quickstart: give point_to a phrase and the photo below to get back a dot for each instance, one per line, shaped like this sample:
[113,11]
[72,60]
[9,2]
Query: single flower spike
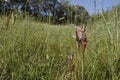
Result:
[80,35]
[81,40]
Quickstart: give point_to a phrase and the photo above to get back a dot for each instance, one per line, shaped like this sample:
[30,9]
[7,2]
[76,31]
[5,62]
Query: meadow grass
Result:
[32,50]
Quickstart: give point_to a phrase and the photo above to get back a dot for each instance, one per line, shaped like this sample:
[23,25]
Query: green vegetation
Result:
[31,50]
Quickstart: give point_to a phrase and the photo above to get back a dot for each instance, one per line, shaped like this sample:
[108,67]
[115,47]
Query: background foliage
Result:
[50,11]
[36,50]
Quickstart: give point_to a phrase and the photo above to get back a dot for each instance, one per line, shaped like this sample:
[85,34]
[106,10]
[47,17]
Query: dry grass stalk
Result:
[8,14]
[71,65]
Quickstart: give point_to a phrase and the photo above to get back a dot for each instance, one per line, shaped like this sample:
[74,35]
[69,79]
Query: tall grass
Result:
[36,51]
